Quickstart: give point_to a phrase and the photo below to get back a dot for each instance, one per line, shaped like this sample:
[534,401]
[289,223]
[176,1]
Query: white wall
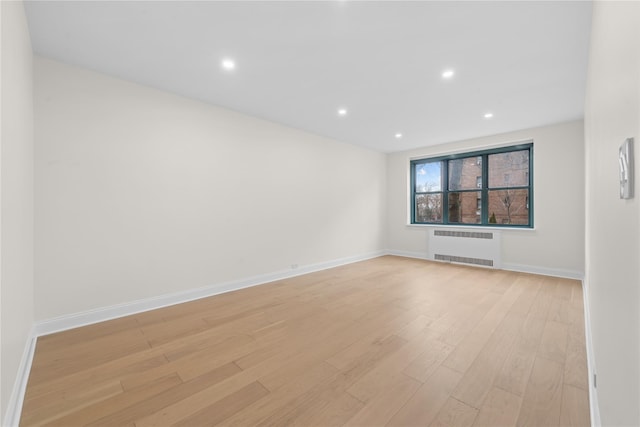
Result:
[141,193]
[612,114]
[556,245]
[16,190]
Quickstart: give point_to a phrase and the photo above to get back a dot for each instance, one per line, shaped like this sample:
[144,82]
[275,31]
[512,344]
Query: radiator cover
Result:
[481,248]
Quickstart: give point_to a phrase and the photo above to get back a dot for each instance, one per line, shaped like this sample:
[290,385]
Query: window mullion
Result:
[445,192]
[484,214]
[412,182]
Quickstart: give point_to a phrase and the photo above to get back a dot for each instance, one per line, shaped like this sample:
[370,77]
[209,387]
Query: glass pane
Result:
[509,169]
[429,207]
[509,206]
[428,177]
[465,174]
[465,207]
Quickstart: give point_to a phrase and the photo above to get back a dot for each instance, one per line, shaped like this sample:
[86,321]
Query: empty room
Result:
[319,213]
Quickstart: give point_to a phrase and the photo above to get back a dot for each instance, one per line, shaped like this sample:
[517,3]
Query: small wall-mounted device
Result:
[625,160]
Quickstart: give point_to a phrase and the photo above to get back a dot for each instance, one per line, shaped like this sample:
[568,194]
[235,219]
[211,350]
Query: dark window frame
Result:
[444,190]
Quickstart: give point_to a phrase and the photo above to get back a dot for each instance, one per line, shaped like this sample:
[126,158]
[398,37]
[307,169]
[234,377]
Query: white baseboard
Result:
[407,254]
[544,271]
[521,268]
[594,408]
[102,314]
[14,407]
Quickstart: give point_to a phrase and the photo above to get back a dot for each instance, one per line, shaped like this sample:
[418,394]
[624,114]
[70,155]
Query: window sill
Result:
[471,227]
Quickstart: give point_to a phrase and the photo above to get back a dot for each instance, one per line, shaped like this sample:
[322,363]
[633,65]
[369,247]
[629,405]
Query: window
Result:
[487,188]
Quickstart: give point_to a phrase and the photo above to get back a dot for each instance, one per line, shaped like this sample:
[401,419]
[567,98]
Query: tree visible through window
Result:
[492,187]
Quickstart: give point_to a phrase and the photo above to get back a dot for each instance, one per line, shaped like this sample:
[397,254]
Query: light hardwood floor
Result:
[389,341]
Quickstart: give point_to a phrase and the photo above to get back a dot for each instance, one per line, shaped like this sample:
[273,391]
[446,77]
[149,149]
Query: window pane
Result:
[428,177]
[465,174]
[429,207]
[509,206]
[463,207]
[509,169]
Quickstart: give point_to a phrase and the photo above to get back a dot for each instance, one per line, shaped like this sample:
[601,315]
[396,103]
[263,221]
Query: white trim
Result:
[14,407]
[521,268]
[102,314]
[594,407]
[408,254]
[555,272]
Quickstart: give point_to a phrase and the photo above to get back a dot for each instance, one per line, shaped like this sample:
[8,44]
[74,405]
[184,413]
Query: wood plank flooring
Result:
[390,341]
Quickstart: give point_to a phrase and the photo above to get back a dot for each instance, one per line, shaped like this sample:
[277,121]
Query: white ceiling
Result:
[298,62]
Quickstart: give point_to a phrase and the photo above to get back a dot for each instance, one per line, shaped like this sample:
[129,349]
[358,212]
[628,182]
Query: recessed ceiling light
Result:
[447,74]
[488,115]
[342,112]
[228,64]
[398,135]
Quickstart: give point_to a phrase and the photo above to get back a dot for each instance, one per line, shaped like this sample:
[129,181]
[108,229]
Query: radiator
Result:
[467,247]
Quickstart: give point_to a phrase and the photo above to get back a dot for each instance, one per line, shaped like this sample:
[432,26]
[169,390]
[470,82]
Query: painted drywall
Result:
[612,114]
[16,194]
[556,245]
[141,193]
